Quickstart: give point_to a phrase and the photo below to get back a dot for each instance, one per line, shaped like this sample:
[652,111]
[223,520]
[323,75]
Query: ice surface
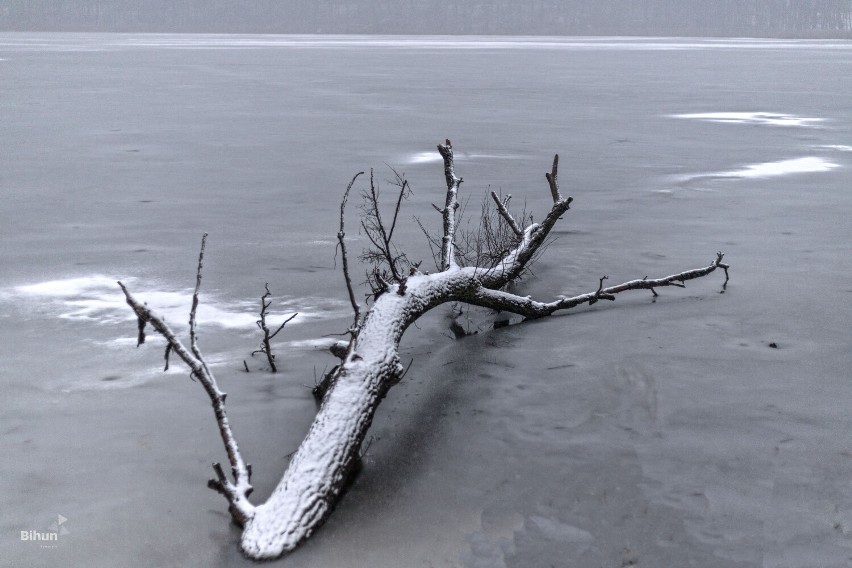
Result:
[671,432]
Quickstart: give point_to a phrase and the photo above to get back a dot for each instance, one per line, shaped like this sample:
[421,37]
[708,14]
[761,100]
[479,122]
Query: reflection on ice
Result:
[759,118]
[809,164]
[98,299]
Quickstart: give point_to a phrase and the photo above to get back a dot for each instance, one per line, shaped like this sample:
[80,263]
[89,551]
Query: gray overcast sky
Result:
[780,18]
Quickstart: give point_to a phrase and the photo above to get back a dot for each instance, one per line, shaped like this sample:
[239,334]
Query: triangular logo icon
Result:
[61,519]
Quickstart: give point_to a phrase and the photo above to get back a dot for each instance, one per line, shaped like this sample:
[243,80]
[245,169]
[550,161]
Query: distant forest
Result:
[735,18]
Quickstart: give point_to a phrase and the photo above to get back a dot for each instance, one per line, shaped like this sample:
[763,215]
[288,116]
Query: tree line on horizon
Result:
[732,18]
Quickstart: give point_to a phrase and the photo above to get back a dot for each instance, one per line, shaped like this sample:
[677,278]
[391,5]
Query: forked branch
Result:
[268,335]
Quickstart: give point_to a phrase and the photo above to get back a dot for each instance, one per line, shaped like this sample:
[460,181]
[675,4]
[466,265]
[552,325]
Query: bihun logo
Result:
[51,535]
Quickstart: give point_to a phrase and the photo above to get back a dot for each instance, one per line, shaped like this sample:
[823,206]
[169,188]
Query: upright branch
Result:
[448,253]
[193,328]
[268,335]
[552,181]
[238,490]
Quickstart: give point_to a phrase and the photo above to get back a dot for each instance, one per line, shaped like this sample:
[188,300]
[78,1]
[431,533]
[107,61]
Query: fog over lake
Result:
[663,432]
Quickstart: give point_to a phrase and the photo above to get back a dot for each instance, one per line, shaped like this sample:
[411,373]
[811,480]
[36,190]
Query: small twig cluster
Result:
[386,263]
[268,335]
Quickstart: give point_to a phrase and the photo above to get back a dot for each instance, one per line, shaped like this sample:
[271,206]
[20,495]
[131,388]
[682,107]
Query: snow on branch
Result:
[525,306]
[503,209]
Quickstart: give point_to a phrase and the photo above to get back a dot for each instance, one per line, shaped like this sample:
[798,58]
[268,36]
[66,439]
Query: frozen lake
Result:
[666,433]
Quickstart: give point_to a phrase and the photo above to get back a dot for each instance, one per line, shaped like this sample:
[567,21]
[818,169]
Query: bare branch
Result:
[384,256]
[384,247]
[193,335]
[551,180]
[236,492]
[534,237]
[402,183]
[719,256]
[285,322]
[504,301]
[265,346]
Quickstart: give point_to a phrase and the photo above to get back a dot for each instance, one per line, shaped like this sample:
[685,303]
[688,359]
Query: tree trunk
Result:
[326,460]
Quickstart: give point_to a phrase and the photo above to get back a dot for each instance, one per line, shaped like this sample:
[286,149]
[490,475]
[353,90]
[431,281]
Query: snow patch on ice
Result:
[838,147]
[434,157]
[758,118]
[806,165]
[318,343]
[98,299]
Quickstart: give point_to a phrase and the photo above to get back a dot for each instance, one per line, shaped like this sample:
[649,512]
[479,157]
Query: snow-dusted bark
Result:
[370,365]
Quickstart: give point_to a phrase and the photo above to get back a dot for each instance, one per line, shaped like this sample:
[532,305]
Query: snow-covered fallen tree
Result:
[327,459]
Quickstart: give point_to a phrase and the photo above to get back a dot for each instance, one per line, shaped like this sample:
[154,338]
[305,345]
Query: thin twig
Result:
[341,239]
